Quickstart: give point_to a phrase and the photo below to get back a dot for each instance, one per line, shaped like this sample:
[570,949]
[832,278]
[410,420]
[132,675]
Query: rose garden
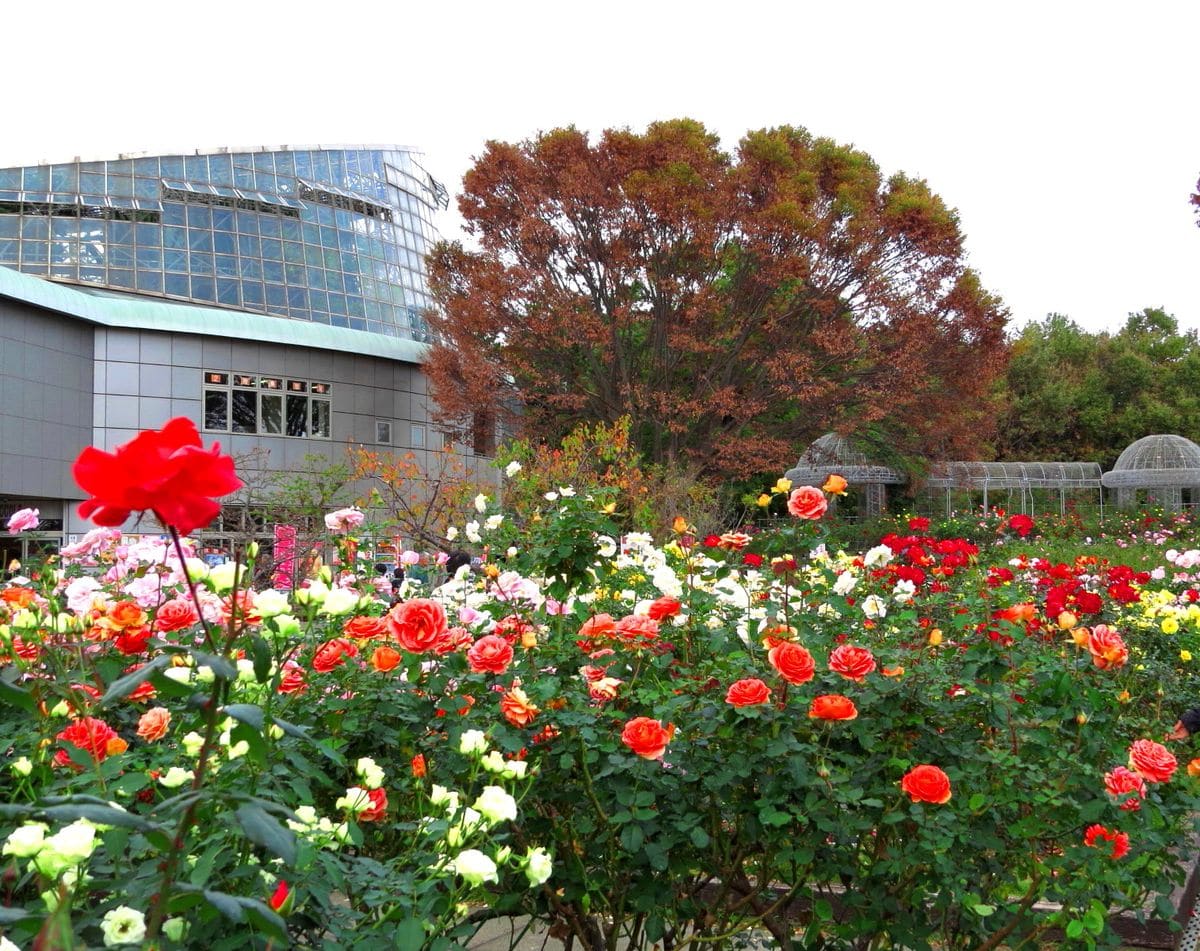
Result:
[937,741]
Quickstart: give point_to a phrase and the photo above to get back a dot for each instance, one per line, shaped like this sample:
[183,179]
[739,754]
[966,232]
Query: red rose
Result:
[919,523]
[807,502]
[646,737]
[95,737]
[166,471]
[794,663]
[279,901]
[175,615]
[748,693]
[1119,840]
[663,607]
[418,625]
[378,808]
[333,653]
[1152,761]
[926,783]
[133,640]
[1107,648]
[1021,524]
[364,627]
[490,654]
[853,663]
[832,706]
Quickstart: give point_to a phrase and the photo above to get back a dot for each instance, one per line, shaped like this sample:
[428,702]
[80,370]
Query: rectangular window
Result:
[383,432]
[320,418]
[483,434]
[272,414]
[297,415]
[216,409]
[418,437]
[245,411]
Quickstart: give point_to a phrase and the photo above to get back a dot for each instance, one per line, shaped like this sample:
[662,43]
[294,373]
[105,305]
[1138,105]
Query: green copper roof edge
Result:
[149,313]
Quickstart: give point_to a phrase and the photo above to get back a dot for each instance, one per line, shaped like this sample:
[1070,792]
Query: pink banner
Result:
[285,556]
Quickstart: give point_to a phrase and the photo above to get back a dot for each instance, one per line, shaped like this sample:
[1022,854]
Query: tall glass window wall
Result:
[334,236]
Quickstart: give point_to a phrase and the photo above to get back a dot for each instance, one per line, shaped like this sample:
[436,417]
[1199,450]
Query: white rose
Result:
[492,522]
[369,772]
[26,841]
[356,800]
[473,742]
[123,925]
[496,805]
[451,533]
[538,866]
[877,557]
[874,606]
[475,867]
[176,776]
[271,603]
[481,502]
[339,601]
[221,577]
[845,583]
[512,468]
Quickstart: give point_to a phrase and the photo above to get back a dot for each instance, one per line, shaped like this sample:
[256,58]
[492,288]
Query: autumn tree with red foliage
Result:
[734,306]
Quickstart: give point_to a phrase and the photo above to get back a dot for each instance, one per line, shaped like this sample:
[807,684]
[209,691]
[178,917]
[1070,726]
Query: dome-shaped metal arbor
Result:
[1017,479]
[1165,465]
[833,453]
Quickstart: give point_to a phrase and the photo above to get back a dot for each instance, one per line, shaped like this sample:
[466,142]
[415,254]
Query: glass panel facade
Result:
[333,236]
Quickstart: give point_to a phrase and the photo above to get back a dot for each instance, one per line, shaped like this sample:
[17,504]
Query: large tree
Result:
[734,306]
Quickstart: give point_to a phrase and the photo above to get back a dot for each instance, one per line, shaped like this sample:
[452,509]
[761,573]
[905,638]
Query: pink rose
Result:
[807,502]
[23,521]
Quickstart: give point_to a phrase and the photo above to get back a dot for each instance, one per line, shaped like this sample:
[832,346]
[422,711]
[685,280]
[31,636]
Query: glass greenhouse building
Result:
[275,296]
[334,236]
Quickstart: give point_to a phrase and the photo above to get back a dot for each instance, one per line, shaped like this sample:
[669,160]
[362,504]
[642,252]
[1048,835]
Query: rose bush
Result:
[906,746]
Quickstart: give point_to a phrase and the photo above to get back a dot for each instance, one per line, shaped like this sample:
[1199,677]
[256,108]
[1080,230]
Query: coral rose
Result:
[853,663]
[599,625]
[152,725]
[646,737]
[750,692]
[175,615]
[637,629]
[363,627]
[1107,648]
[926,783]
[166,471]
[418,625]
[333,653]
[1122,781]
[517,708]
[293,679]
[832,706]
[490,654]
[807,502]
[794,662]
[1151,761]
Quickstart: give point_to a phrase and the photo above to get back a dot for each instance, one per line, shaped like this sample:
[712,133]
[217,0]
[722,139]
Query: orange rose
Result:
[363,627]
[17,597]
[832,706]
[418,625]
[490,654]
[807,502]
[794,663]
[152,725]
[600,625]
[1107,648]
[750,692]
[835,485]
[517,708]
[418,765]
[385,658]
[853,663]
[646,737]
[1193,767]
[926,783]
[1151,761]
[125,614]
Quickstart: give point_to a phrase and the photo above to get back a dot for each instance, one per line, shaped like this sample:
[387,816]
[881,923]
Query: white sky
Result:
[1066,134]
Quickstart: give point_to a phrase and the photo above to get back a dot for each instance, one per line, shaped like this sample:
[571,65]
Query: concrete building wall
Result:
[45,400]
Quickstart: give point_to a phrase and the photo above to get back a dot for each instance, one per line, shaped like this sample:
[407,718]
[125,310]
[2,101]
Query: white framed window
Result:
[267,405]
[383,432]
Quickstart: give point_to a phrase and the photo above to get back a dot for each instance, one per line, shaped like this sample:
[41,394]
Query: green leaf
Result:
[983,910]
[1074,929]
[267,831]
[99,814]
[124,686]
[632,838]
[247,713]
[221,666]
[410,933]
[823,909]
[12,694]
[976,802]
[260,650]
[700,838]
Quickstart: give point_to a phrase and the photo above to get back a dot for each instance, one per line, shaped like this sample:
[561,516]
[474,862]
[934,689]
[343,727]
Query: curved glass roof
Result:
[1156,461]
[833,453]
[333,235]
[1014,475]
